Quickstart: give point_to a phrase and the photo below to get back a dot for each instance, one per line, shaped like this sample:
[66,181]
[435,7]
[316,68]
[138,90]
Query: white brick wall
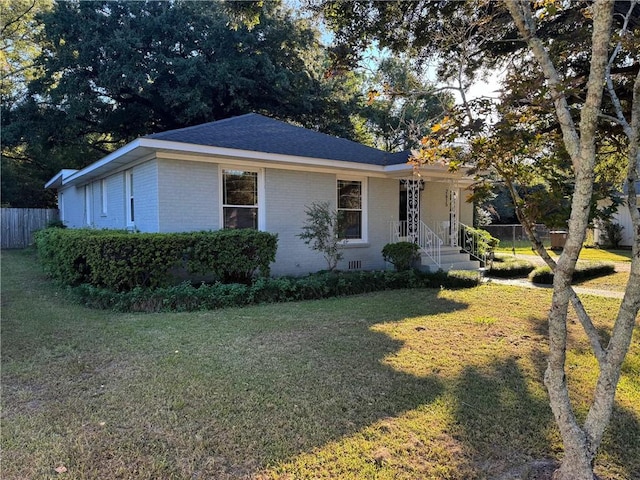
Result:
[73,206]
[289,192]
[287,195]
[188,196]
[145,196]
[115,216]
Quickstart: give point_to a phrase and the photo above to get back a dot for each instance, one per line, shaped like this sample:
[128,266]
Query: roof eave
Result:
[58,179]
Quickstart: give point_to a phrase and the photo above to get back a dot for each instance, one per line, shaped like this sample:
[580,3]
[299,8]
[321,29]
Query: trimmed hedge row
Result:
[583,271]
[185,297]
[122,261]
[507,266]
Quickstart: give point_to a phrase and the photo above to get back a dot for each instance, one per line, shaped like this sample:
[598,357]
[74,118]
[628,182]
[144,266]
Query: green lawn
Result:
[591,254]
[429,384]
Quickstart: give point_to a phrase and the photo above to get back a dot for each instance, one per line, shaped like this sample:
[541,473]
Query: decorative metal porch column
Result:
[413,209]
[453,215]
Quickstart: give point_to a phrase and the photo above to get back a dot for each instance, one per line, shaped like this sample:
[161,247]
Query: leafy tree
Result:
[574,92]
[113,71]
[19,27]
[401,105]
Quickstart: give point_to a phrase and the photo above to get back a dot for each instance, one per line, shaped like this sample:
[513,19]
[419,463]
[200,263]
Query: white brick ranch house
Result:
[252,171]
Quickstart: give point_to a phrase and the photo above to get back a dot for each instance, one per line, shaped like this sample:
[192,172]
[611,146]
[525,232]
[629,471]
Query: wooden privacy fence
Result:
[18,225]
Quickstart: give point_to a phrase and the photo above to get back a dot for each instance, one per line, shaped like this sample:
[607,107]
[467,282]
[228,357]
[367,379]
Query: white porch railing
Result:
[473,243]
[427,239]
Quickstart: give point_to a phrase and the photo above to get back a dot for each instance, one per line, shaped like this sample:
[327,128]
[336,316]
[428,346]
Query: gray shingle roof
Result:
[258,133]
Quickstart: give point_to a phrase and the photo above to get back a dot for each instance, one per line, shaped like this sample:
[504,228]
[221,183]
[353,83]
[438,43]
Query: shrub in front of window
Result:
[232,255]
[321,231]
[400,254]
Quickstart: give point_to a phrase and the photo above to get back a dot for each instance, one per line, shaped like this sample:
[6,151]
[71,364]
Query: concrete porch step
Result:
[450,259]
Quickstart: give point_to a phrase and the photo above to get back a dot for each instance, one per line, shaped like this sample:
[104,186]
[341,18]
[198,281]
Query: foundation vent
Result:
[355,264]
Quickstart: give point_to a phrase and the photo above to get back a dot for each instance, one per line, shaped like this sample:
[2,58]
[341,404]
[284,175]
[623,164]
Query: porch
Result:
[444,241]
[440,250]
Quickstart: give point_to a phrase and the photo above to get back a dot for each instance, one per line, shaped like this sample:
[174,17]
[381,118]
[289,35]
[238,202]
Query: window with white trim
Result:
[61,206]
[240,198]
[103,197]
[350,209]
[129,197]
[87,204]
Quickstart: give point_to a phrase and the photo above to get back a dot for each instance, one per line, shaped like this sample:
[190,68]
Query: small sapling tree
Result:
[321,231]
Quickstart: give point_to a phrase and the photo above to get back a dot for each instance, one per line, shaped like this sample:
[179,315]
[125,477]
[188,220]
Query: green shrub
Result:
[583,271]
[400,254]
[486,243]
[613,233]
[185,297]
[507,266]
[63,253]
[233,256]
[122,261]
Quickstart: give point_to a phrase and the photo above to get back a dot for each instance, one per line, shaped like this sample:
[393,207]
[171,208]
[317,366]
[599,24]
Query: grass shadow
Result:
[220,394]
[502,419]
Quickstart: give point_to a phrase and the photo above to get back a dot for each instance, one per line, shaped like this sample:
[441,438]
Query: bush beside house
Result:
[401,254]
[136,272]
[507,266]
[187,297]
[122,261]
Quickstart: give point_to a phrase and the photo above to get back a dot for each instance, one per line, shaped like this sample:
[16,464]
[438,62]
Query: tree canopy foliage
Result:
[109,72]
[468,41]
[401,104]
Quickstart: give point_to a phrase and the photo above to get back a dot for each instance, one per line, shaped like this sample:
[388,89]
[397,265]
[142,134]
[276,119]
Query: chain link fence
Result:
[514,236]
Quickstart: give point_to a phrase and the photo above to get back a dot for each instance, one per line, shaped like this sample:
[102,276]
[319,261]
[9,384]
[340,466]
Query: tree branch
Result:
[521,14]
[17,19]
[617,106]
[583,316]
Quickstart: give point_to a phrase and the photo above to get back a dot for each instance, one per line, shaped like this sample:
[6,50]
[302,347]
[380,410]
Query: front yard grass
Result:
[590,254]
[431,384]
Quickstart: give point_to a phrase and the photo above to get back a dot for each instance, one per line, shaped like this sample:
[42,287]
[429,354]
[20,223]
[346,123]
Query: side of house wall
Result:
[103,205]
[435,204]
[288,193]
[188,196]
[71,206]
[145,194]
[384,205]
[108,209]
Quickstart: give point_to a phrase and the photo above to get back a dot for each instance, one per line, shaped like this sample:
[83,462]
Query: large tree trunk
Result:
[580,444]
